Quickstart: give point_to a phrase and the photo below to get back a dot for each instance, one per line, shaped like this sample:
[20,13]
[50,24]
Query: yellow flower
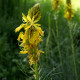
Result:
[56,4]
[68,11]
[40,31]
[35,39]
[20,36]
[68,16]
[32,23]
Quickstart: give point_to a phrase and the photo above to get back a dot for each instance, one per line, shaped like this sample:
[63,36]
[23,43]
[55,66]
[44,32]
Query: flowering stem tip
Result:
[31,36]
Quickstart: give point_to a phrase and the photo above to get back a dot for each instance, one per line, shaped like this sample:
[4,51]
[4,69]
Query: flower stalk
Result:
[31,36]
[73,51]
[69,15]
[58,43]
[48,39]
[36,71]
[56,7]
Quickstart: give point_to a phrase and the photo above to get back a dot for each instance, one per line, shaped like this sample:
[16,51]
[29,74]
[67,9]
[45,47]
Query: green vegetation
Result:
[15,66]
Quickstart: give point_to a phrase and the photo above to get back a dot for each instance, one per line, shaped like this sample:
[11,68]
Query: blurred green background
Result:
[14,66]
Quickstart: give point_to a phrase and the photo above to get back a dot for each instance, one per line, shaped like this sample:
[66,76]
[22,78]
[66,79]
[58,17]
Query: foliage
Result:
[14,66]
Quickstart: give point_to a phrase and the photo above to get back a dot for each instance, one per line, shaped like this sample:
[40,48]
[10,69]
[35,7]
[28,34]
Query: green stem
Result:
[54,35]
[58,44]
[36,71]
[48,39]
[72,44]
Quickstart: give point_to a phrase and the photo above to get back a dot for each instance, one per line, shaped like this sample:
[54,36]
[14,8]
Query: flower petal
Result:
[39,30]
[24,17]
[19,28]
[23,52]
[41,51]
[27,27]
[20,36]
[37,24]
[29,18]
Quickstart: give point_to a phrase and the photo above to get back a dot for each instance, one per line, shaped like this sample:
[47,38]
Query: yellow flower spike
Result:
[24,17]
[31,37]
[69,11]
[68,16]
[56,4]
[23,52]
[19,28]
